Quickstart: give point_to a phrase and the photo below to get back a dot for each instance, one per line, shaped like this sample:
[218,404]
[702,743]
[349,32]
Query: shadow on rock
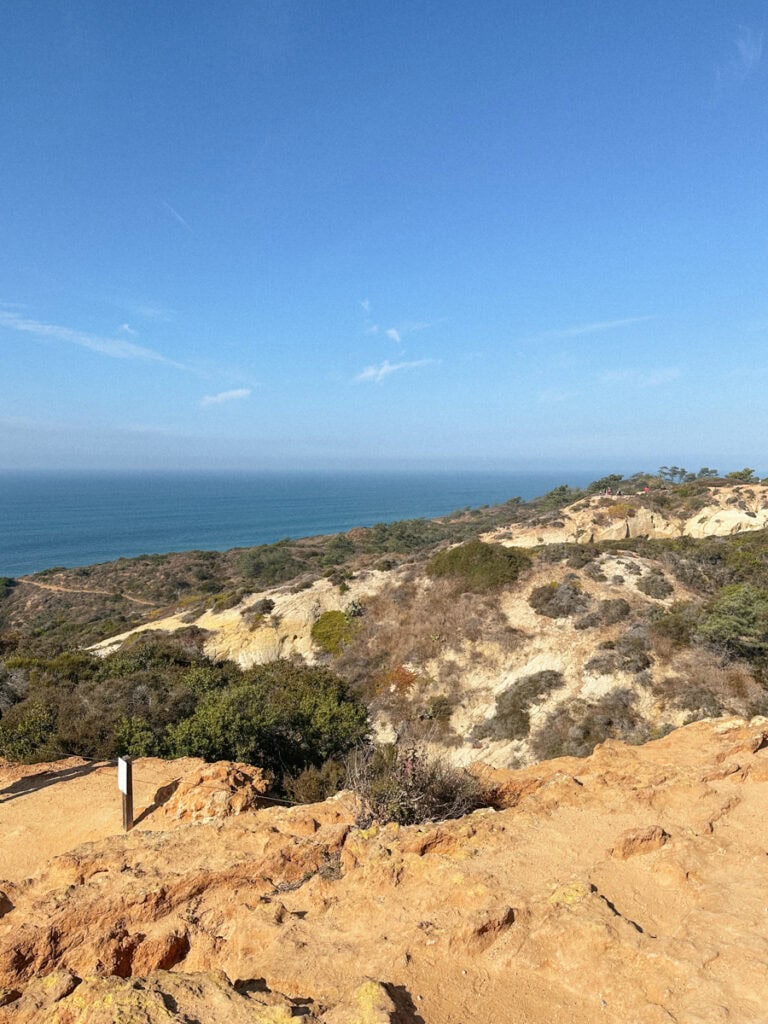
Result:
[161,797]
[406,1012]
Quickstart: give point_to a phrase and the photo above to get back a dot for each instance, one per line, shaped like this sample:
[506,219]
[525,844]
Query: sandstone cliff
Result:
[627,886]
[724,512]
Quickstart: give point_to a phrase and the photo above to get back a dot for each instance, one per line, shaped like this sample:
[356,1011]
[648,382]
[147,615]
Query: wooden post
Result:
[125,785]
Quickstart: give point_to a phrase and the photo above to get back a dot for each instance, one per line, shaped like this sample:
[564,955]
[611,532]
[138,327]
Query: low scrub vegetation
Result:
[677,625]
[407,626]
[478,566]
[620,510]
[737,622]
[314,783]
[607,613]
[333,631]
[281,717]
[701,684]
[512,718]
[405,785]
[559,600]
[161,696]
[406,655]
[655,584]
[575,727]
[630,652]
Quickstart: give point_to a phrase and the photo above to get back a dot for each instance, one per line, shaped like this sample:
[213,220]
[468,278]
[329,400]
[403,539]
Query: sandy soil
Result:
[624,887]
[47,809]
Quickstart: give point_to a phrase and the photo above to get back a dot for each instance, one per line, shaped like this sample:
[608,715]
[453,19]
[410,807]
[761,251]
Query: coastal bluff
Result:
[628,885]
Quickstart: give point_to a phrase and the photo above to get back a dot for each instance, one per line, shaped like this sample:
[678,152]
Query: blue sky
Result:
[325,234]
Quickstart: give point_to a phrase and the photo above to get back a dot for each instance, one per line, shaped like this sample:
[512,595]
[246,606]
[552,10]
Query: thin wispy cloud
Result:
[744,63]
[595,327]
[177,216]
[376,374]
[410,326]
[127,329]
[115,348]
[226,396]
[642,378]
[398,331]
[401,330]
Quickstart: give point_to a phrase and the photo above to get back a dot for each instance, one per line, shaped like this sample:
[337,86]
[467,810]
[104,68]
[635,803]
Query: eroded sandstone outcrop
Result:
[727,511]
[629,885]
[213,792]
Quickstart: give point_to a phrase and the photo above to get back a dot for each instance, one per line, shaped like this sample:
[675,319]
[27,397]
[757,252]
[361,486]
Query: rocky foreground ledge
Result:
[628,886]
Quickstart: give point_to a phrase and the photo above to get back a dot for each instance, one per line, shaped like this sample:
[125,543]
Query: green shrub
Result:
[333,631]
[27,732]
[314,784]
[607,613]
[134,737]
[271,564]
[512,720]
[227,599]
[439,708]
[338,550]
[559,600]
[613,481]
[405,536]
[281,716]
[479,566]
[633,650]
[582,556]
[575,727]
[558,498]
[742,476]
[404,785]
[737,621]
[655,584]
[552,554]
[678,623]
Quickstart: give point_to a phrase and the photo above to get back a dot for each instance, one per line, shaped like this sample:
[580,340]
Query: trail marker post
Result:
[125,785]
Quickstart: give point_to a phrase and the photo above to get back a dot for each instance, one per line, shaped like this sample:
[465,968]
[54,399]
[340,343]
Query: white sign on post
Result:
[122,775]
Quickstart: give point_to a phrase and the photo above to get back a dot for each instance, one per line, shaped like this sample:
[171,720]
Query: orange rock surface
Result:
[630,886]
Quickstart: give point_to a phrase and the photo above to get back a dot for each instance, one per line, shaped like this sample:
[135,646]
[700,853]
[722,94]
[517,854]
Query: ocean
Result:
[71,519]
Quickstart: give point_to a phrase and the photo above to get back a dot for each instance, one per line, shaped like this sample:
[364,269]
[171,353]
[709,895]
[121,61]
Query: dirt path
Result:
[47,809]
[84,590]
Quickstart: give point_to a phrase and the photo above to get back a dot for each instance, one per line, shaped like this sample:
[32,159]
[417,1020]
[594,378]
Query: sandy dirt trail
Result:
[83,590]
[55,807]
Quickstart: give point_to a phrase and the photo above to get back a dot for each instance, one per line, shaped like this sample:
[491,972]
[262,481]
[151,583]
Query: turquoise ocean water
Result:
[57,519]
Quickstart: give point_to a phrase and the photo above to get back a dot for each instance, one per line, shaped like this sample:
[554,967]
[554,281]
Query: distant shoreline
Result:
[77,519]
